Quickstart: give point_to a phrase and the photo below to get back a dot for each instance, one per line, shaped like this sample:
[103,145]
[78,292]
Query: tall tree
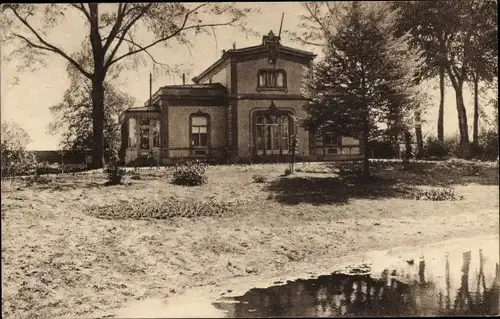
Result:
[448,31]
[466,16]
[111,36]
[73,115]
[482,56]
[365,79]
[429,32]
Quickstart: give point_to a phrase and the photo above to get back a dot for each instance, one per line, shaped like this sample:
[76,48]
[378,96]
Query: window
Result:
[272,133]
[331,139]
[144,138]
[272,79]
[199,131]
[144,133]
[132,131]
[155,126]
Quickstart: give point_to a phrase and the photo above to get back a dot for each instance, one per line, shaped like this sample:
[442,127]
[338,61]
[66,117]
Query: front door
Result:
[272,134]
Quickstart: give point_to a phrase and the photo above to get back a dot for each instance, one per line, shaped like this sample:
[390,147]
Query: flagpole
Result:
[281,25]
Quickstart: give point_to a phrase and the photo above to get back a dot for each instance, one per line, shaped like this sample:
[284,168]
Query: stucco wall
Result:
[223,77]
[178,129]
[247,75]
[246,108]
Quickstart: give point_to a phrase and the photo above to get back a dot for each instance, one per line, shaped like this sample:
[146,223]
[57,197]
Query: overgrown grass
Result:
[435,195]
[259,178]
[73,246]
[162,209]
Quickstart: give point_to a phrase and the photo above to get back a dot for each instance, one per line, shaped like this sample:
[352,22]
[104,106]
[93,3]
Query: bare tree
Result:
[111,37]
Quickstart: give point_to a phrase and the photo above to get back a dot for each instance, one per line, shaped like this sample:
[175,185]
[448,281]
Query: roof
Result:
[141,109]
[227,55]
[211,90]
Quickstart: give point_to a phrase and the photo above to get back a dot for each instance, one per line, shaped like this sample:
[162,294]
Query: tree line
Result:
[368,84]
[377,54]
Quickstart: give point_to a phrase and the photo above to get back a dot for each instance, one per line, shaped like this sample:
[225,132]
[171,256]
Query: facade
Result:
[242,108]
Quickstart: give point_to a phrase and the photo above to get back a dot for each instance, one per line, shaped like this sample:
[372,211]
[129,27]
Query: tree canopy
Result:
[366,78]
[73,115]
[111,38]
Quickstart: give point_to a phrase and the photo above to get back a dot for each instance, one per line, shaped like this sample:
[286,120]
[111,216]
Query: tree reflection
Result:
[343,295]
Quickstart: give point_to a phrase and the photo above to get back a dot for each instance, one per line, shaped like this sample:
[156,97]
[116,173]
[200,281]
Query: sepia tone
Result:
[243,160]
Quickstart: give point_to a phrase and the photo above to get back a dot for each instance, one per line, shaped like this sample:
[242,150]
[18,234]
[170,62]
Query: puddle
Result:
[457,277]
[461,278]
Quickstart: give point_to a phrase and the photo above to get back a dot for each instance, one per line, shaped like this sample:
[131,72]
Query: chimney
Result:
[183,79]
[234,45]
[223,52]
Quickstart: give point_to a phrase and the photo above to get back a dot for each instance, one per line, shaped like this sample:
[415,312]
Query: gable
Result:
[265,50]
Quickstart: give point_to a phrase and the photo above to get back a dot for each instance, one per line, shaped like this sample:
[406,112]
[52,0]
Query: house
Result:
[244,107]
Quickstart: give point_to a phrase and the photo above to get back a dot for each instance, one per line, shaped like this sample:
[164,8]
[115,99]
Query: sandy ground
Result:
[197,303]
[60,260]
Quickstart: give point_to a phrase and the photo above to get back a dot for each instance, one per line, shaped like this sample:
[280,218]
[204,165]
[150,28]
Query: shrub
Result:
[162,209]
[114,173]
[190,174]
[434,148]
[435,195]
[487,148]
[383,148]
[15,159]
[258,178]
[288,172]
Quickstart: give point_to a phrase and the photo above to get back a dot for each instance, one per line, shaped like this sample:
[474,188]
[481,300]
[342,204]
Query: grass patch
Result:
[162,209]
[259,178]
[435,195]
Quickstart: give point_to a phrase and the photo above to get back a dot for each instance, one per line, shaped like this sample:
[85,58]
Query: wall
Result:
[246,108]
[222,77]
[350,147]
[178,128]
[247,84]
[247,75]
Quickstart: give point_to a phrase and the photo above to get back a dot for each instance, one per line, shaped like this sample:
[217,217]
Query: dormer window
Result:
[271,80]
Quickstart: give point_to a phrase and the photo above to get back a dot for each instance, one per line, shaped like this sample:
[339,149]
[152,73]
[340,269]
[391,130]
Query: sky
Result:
[27,102]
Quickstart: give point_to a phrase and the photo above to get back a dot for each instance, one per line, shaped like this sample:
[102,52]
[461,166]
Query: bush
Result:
[288,172]
[162,209]
[258,178]
[435,195]
[17,162]
[434,148]
[114,173]
[190,174]
[487,148]
[383,148]
[15,159]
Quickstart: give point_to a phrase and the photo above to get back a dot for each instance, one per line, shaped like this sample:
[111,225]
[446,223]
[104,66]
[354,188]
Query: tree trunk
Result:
[408,149]
[418,134]
[98,124]
[464,151]
[440,124]
[366,161]
[475,127]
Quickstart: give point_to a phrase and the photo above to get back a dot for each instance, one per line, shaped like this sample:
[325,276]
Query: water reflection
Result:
[398,292]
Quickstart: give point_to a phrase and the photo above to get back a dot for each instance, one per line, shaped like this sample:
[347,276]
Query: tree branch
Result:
[124,32]
[47,46]
[316,18]
[173,34]
[131,41]
[80,7]
[116,27]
